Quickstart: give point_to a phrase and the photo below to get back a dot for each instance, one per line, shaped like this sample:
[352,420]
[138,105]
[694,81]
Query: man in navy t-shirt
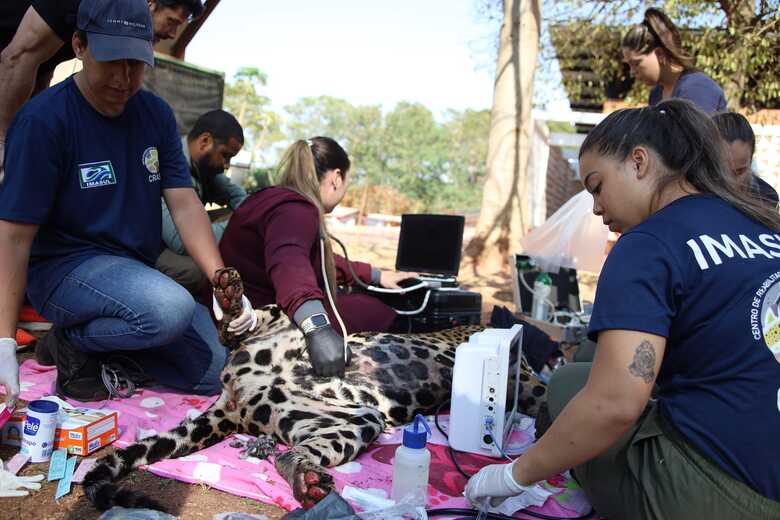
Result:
[87,163]
[35,36]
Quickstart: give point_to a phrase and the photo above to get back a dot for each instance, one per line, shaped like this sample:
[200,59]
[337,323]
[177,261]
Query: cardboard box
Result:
[83,430]
[79,430]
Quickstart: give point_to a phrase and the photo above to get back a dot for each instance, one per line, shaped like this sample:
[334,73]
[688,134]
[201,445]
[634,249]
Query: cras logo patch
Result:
[151,160]
[765,314]
[96,174]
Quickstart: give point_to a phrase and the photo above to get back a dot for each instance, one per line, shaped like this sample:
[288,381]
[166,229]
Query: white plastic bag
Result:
[572,237]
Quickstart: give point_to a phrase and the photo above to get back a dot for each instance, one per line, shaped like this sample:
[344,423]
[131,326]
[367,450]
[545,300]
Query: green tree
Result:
[358,129]
[736,42]
[414,149]
[466,139]
[243,98]
[404,160]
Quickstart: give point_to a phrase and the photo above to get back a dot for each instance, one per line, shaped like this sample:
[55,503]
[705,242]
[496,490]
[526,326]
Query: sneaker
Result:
[78,373]
[45,349]
[23,339]
[32,321]
[122,376]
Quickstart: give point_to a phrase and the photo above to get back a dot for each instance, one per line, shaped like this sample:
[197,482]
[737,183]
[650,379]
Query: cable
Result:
[330,297]
[450,449]
[495,443]
[364,285]
[473,512]
[419,310]
[546,300]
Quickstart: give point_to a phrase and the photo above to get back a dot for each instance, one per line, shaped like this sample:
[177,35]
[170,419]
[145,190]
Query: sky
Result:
[435,52]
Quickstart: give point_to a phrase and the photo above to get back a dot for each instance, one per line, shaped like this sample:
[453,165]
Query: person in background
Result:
[88,161]
[687,301]
[213,141]
[273,240]
[741,144]
[654,53]
[35,37]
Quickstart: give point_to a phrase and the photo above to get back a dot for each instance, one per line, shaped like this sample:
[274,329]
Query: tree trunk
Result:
[740,17]
[363,201]
[505,210]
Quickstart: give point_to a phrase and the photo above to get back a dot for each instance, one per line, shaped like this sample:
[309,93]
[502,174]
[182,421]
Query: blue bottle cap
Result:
[414,437]
[43,406]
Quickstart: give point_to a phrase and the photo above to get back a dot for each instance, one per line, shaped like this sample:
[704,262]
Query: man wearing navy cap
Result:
[35,37]
[88,161]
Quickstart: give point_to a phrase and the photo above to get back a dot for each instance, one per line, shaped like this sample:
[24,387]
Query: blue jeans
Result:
[116,304]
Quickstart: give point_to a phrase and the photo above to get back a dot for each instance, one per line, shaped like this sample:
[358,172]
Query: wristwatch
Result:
[314,322]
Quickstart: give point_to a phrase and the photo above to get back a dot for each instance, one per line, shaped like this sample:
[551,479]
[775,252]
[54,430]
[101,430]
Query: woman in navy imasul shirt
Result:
[654,53]
[688,300]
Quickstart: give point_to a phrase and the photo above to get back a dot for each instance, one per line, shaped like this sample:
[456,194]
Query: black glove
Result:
[326,351]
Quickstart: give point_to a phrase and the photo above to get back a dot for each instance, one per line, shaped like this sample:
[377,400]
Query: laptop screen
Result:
[430,244]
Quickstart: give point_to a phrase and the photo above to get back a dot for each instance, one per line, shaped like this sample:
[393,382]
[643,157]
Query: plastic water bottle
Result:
[542,290]
[411,465]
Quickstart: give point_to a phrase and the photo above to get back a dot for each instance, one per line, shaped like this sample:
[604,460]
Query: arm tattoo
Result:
[643,364]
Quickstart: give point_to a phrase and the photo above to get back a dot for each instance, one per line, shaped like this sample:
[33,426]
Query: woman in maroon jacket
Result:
[273,241]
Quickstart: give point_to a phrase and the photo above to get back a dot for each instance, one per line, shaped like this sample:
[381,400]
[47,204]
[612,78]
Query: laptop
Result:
[432,246]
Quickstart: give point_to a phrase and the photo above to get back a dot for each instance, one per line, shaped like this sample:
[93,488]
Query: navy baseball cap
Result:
[118,29]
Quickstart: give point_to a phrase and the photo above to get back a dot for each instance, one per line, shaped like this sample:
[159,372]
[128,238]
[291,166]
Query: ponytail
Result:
[690,148]
[301,169]
[658,30]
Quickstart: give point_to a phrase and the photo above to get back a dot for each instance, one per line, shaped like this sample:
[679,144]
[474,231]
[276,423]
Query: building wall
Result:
[562,181]
[767,155]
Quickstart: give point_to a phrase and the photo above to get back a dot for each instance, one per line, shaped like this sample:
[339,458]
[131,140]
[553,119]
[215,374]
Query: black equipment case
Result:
[446,308]
[431,245]
[449,308]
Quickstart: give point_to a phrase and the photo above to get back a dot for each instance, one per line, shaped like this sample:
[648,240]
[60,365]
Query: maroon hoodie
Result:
[273,241]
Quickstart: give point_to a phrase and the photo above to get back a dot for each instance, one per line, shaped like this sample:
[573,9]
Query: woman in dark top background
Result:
[654,53]
[273,240]
[740,140]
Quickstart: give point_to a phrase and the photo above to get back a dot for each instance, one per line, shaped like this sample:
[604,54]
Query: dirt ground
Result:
[201,502]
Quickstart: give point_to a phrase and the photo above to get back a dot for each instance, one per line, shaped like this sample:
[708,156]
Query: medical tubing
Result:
[373,288]
[449,448]
[545,300]
[484,510]
[330,297]
[419,310]
[473,512]
[495,443]
[368,287]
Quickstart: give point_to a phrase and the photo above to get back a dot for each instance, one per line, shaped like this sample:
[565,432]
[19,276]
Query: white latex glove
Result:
[246,321]
[494,482]
[10,484]
[9,369]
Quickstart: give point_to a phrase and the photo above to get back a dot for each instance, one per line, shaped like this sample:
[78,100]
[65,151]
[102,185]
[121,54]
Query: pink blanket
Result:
[157,410]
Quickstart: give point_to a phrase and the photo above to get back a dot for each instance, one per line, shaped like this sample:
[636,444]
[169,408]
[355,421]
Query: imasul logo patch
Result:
[96,174]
